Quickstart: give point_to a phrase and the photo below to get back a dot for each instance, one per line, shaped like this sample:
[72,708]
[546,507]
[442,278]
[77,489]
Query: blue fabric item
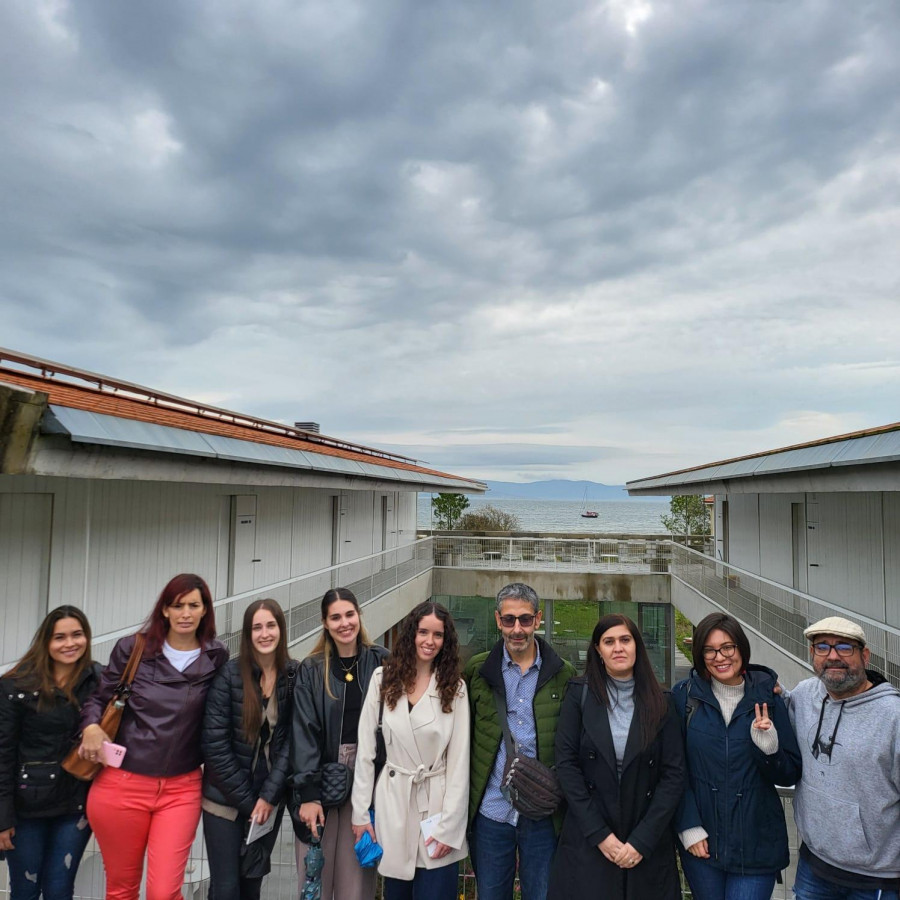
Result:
[809,886]
[520,690]
[731,783]
[709,883]
[493,851]
[42,846]
[368,852]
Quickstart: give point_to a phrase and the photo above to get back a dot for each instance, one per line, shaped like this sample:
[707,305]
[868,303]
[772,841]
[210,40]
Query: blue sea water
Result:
[564,516]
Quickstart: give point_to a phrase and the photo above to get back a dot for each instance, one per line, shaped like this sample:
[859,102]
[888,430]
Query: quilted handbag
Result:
[337,779]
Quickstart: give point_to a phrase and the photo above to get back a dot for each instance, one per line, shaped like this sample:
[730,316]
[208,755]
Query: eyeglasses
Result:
[526,620]
[842,647]
[727,651]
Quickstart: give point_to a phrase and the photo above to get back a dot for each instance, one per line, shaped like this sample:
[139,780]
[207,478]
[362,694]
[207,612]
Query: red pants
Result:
[132,813]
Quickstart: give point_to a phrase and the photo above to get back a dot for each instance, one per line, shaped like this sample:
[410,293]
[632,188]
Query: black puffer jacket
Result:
[228,758]
[33,743]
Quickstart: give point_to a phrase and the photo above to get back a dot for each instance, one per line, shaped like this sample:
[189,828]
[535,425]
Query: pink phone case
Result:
[113,754]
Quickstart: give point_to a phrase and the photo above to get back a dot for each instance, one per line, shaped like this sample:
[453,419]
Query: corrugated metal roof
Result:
[94,428]
[866,449]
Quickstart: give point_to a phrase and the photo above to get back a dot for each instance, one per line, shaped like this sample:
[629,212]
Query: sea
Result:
[564,516]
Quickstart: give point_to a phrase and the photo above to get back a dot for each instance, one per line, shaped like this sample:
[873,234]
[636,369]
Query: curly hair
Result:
[399,675]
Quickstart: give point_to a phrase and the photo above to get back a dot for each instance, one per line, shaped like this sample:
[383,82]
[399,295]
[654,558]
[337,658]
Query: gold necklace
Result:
[348,672]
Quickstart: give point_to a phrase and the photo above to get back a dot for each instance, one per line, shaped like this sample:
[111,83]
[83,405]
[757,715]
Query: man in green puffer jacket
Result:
[531,679]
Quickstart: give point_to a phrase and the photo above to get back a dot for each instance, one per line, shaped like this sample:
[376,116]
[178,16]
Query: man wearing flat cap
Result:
[847,805]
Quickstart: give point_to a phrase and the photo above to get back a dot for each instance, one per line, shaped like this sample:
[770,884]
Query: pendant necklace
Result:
[348,672]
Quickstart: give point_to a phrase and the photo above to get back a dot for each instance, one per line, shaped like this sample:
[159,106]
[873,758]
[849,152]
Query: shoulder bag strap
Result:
[123,688]
[504,724]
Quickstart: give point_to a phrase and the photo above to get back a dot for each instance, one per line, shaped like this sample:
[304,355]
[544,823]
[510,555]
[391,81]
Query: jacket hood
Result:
[881,689]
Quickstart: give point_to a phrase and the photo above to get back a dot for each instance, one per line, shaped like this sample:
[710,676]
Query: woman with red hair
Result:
[152,803]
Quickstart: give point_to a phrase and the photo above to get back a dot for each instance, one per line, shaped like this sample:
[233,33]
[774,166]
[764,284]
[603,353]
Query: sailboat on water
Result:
[587,513]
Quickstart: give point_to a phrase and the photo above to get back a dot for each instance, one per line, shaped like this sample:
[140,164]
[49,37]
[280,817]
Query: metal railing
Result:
[777,612]
[369,577]
[609,554]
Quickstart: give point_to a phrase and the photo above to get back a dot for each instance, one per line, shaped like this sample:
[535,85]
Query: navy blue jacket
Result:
[731,782]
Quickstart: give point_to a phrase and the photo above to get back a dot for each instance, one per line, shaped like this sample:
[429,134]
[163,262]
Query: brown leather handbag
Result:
[87,769]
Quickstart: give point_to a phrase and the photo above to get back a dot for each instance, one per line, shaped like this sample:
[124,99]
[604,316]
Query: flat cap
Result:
[837,626]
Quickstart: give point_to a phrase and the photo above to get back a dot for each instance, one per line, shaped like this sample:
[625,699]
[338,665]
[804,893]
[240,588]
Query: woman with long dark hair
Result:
[739,745]
[245,741]
[328,698]
[421,699]
[43,828]
[151,805]
[620,760]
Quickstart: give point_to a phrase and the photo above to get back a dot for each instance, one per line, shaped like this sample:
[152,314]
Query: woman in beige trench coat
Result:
[425,722]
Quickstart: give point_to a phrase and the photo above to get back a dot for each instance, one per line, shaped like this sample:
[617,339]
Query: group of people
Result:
[408,750]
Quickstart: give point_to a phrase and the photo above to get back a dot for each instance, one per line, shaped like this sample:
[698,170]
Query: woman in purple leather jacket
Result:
[152,803]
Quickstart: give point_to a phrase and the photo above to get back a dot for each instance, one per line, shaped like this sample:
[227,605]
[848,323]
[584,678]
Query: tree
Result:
[688,515]
[448,508]
[489,518]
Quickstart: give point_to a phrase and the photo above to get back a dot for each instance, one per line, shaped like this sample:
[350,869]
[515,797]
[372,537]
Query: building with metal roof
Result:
[818,522]
[108,488]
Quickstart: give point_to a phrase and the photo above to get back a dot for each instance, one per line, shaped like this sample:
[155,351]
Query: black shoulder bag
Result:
[533,788]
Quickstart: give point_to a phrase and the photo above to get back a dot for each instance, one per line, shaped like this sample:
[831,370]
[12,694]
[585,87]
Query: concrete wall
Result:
[555,585]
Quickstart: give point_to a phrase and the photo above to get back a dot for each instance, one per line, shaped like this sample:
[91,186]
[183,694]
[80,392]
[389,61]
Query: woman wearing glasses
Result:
[620,762]
[739,744]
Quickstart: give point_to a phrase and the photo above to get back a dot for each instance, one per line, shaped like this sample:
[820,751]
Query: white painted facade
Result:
[843,546]
[108,546]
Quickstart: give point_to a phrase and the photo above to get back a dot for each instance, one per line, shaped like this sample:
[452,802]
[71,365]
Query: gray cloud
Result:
[660,227]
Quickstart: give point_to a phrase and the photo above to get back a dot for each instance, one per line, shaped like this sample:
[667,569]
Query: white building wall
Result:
[109,546]
[406,518]
[776,536]
[890,509]
[847,564]
[743,531]
[849,546]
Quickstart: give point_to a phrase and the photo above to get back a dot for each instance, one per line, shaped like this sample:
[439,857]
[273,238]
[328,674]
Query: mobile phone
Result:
[113,754]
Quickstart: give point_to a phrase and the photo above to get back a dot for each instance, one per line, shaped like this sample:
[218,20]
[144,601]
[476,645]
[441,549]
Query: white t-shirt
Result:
[181,659]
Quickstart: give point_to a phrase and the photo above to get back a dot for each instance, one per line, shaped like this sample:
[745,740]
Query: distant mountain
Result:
[558,490]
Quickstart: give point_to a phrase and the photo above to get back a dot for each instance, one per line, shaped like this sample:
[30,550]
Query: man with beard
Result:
[847,805]
[523,675]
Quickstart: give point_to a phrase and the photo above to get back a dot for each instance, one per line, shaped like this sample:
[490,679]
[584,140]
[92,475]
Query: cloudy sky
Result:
[519,240]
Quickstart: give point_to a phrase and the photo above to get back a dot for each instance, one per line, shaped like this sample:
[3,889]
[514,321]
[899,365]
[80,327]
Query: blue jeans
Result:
[709,883]
[808,886]
[427,884]
[493,847]
[38,866]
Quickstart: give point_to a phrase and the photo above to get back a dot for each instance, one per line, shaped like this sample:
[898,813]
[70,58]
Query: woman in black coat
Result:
[620,760]
[43,828]
[245,741]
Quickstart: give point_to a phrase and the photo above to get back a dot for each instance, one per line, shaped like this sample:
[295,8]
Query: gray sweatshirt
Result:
[847,805]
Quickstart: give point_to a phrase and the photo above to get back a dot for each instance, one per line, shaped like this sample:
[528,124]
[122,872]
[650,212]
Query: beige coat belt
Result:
[417,777]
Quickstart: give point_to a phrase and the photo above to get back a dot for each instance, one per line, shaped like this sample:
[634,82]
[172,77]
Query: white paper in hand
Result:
[428,826]
[256,830]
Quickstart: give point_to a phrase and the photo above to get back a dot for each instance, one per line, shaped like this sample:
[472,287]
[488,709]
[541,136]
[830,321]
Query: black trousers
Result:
[224,840]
